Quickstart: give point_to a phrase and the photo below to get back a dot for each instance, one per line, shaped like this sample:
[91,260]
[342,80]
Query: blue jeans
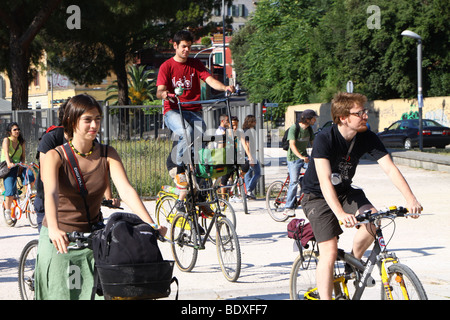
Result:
[294,168]
[10,181]
[252,176]
[195,126]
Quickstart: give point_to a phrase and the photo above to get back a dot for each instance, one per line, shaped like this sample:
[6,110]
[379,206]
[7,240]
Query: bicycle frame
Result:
[379,256]
[192,217]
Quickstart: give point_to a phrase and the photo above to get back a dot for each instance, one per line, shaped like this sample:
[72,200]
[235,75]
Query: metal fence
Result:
[136,132]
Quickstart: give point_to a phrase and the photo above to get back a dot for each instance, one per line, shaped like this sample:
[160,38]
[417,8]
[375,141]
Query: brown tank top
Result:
[71,209]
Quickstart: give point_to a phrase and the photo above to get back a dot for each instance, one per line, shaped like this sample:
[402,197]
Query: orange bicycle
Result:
[22,204]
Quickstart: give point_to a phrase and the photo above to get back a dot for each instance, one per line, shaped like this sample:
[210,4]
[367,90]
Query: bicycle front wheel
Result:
[403,284]
[302,281]
[184,242]
[27,263]
[165,212]
[228,249]
[275,200]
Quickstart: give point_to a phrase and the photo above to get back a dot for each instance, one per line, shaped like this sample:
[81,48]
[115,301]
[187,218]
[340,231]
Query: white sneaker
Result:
[235,199]
[289,212]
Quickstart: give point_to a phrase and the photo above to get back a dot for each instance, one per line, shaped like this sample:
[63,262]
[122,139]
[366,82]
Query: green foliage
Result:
[299,51]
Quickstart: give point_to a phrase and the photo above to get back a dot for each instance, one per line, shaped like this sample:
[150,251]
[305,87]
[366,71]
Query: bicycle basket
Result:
[135,282]
[212,163]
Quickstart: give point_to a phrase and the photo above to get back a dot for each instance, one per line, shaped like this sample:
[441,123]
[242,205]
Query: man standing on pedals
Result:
[185,73]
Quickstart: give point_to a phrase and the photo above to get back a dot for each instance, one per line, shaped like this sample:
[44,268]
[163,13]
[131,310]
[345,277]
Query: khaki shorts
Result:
[323,221]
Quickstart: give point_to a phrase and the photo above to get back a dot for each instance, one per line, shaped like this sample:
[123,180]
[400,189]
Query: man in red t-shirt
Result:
[182,71]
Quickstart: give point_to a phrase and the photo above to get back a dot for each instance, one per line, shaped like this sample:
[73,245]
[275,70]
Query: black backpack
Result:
[285,141]
[128,261]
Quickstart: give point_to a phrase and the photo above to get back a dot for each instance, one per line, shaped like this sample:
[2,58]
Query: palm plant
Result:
[140,86]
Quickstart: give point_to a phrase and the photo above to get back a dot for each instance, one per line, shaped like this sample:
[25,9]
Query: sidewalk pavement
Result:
[267,253]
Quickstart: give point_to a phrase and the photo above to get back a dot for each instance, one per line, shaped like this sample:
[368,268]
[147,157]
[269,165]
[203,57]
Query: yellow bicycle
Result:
[398,281]
[165,211]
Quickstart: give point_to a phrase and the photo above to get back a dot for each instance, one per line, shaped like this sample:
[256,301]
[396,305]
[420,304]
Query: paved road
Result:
[267,252]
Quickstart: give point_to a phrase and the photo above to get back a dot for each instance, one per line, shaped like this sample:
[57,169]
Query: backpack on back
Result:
[285,141]
[128,262]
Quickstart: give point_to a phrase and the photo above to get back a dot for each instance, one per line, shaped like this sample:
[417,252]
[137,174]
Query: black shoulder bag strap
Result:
[78,177]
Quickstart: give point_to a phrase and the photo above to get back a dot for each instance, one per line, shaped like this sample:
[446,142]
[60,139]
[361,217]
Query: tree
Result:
[23,20]
[112,31]
[140,87]
[306,51]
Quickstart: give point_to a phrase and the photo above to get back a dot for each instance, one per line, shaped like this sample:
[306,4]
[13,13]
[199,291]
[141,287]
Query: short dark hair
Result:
[183,35]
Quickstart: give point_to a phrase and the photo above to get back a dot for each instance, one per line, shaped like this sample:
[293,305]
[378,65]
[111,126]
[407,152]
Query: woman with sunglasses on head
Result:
[65,209]
[13,151]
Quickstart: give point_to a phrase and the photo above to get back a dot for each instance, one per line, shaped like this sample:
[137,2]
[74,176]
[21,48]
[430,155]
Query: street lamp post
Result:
[413,35]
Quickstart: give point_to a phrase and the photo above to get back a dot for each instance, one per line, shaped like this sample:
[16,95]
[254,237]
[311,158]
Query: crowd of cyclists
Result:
[329,197]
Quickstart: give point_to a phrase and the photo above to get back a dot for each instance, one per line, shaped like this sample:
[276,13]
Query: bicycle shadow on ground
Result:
[8,266]
[19,235]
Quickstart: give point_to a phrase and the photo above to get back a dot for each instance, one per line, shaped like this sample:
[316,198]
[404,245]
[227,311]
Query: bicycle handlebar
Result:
[171,96]
[108,203]
[390,213]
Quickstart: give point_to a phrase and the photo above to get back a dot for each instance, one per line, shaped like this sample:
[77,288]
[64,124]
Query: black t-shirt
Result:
[331,145]
[49,141]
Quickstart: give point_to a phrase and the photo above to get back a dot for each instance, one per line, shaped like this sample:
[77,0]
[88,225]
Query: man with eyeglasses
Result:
[329,197]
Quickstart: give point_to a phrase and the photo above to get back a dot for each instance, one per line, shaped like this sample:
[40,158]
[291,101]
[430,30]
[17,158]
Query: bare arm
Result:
[399,181]
[296,152]
[49,174]
[5,150]
[216,84]
[162,92]
[126,190]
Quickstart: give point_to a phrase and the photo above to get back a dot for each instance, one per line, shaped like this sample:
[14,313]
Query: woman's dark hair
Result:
[73,110]
[8,131]
[248,119]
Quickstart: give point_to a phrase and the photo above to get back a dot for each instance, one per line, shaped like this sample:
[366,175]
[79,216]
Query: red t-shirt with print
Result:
[173,74]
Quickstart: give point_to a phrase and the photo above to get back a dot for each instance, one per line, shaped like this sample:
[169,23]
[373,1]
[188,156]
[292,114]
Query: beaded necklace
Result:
[84,155]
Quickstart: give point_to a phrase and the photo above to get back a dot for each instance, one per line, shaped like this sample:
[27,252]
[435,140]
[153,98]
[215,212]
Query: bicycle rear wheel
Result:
[404,284]
[27,263]
[228,249]
[31,213]
[303,277]
[165,212]
[275,200]
[184,242]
